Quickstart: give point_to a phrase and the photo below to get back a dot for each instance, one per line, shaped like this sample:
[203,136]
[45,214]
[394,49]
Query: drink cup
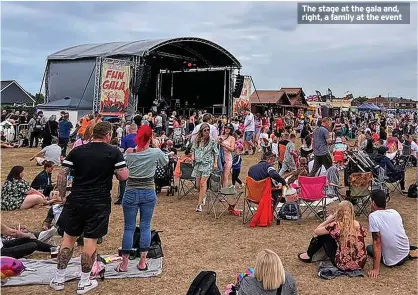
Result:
[54,252]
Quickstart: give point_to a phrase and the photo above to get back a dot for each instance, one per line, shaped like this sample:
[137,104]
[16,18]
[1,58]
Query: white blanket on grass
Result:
[40,272]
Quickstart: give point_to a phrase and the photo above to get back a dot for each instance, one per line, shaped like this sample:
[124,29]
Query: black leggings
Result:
[325,241]
[235,177]
[320,161]
[22,247]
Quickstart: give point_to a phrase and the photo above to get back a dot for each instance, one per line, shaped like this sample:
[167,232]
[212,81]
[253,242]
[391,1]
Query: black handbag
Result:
[155,250]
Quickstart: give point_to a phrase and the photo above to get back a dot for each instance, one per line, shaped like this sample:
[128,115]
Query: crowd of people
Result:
[133,150]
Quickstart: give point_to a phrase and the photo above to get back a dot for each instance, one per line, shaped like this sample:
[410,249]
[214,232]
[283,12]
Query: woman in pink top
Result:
[85,138]
[227,144]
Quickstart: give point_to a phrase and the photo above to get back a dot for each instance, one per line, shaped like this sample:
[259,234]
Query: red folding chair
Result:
[312,195]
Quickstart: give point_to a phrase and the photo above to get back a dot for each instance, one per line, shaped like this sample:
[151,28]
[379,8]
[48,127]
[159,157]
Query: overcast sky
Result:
[364,59]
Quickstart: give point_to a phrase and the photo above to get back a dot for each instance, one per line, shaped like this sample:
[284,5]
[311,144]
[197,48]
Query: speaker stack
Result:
[239,83]
[143,75]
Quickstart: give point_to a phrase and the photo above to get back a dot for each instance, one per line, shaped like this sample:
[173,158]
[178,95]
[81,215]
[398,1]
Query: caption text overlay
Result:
[353,13]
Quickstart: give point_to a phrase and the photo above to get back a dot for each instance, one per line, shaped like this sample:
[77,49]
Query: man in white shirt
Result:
[51,153]
[158,124]
[390,242]
[207,118]
[414,149]
[249,128]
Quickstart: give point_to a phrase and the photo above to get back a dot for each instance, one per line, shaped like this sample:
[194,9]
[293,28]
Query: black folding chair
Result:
[187,183]
[220,201]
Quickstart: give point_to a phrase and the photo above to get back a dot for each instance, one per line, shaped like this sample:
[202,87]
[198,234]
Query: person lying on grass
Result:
[390,242]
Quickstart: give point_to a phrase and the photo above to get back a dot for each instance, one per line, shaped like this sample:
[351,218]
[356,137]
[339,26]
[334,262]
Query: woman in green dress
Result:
[16,192]
[205,151]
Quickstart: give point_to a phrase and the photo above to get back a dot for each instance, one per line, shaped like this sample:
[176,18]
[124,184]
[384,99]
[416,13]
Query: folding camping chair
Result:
[187,183]
[394,185]
[359,192]
[253,193]
[220,201]
[407,156]
[312,195]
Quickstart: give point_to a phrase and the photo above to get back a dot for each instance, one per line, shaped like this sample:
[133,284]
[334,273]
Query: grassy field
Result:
[193,242]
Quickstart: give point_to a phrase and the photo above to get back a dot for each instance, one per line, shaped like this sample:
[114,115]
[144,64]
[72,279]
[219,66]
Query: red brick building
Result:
[393,102]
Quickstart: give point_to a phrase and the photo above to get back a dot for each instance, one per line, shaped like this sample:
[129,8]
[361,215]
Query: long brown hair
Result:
[200,138]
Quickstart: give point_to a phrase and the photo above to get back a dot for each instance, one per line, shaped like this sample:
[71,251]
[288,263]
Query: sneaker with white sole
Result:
[47,234]
[199,208]
[86,286]
[204,201]
[57,286]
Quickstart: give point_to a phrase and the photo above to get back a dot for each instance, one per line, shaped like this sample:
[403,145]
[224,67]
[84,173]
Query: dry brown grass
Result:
[193,242]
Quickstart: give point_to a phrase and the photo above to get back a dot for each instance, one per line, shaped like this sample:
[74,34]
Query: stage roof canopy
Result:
[203,51]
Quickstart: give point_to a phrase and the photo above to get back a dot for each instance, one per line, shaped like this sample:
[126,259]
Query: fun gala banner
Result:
[114,95]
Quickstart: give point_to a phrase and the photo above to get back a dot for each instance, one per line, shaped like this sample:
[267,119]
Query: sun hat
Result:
[290,191]
[230,127]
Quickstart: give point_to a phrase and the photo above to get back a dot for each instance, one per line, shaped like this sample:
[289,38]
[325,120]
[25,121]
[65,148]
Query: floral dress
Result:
[205,156]
[351,257]
[13,193]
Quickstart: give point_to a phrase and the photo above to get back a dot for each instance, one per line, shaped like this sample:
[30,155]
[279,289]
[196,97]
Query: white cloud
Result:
[367,59]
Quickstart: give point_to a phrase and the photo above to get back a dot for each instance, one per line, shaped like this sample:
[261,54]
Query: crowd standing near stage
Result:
[95,151]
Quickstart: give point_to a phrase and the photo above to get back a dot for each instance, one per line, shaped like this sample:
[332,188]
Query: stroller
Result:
[164,177]
[178,137]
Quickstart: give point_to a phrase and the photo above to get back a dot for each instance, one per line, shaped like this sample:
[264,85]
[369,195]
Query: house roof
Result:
[269,97]
[12,92]
[293,90]
[4,84]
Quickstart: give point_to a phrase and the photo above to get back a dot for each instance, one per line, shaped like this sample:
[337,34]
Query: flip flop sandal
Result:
[309,260]
[142,269]
[117,268]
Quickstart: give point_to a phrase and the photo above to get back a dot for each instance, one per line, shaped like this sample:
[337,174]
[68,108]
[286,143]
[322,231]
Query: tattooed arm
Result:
[62,182]
[377,255]
[122,174]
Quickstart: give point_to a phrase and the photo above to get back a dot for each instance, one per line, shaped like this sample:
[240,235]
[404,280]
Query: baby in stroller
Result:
[164,175]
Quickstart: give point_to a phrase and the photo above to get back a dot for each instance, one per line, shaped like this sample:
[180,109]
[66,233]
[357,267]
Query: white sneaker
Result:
[204,201]
[199,208]
[84,287]
[57,286]
[47,234]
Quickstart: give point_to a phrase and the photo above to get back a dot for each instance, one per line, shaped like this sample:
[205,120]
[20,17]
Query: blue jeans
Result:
[143,200]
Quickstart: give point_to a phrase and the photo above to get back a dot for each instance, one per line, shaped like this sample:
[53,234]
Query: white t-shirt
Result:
[52,153]
[395,243]
[264,140]
[213,132]
[414,148]
[158,121]
[249,123]
[119,132]
[275,148]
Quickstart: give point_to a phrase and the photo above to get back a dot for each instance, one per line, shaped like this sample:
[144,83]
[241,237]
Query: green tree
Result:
[39,98]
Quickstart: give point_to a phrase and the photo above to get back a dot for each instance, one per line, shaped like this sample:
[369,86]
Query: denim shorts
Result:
[249,135]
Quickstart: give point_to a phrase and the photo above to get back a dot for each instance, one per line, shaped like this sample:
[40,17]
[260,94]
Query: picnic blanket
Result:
[40,272]
[328,271]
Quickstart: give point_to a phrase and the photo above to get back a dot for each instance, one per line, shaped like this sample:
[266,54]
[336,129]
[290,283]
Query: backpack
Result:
[288,211]
[204,284]
[412,191]
[38,125]
[155,249]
